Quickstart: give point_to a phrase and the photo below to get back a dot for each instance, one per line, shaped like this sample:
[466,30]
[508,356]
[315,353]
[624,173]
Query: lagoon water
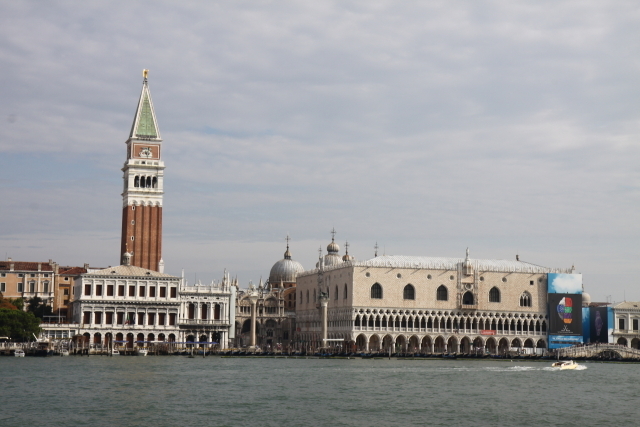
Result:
[213,391]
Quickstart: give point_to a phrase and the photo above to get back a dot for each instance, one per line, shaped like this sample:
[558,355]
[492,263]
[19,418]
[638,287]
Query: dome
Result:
[332,259]
[333,247]
[586,299]
[286,270]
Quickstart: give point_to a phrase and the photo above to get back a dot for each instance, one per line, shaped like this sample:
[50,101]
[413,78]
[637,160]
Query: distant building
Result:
[626,330]
[127,305]
[424,304]
[20,279]
[275,307]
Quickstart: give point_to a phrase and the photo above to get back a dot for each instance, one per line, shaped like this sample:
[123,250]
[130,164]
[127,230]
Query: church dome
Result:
[286,270]
[586,299]
[333,247]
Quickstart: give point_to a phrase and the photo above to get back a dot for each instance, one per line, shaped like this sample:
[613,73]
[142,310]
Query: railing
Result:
[202,322]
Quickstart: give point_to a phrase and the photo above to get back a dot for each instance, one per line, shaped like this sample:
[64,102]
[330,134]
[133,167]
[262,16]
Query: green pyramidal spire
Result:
[144,123]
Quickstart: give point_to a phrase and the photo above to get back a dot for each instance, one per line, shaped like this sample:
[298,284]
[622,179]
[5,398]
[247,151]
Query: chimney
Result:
[86,266]
[39,266]
[11,266]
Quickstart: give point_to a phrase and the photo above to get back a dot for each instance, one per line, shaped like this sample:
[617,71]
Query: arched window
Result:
[409,292]
[494,295]
[307,296]
[345,291]
[442,293]
[336,297]
[467,298]
[525,299]
[136,181]
[154,182]
[376,291]
[148,182]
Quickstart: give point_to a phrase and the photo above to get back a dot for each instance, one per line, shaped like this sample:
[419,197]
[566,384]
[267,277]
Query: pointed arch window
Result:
[494,295]
[442,294]
[525,299]
[345,291]
[409,292]
[336,297]
[376,291]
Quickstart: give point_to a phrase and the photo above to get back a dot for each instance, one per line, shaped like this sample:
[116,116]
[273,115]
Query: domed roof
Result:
[346,257]
[333,247]
[586,299]
[286,270]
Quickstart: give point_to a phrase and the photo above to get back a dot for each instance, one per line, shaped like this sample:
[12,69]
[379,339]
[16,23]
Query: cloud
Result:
[426,127]
[566,283]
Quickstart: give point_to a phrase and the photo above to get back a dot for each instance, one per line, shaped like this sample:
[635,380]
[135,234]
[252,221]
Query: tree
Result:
[18,303]
[39,308]
[7,303]
[18,325]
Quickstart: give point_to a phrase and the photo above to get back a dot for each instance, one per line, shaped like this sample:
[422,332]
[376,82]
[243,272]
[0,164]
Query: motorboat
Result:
[19,353]
[115,352]
[141,351]
[64,352]
[565,364]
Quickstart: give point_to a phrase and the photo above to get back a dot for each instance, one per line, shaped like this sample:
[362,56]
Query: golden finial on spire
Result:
[145,72]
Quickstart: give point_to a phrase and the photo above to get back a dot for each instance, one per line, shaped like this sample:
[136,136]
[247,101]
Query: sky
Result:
[425,127]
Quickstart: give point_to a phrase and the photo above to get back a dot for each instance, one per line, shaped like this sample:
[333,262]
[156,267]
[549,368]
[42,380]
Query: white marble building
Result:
[424,304]
[134,306]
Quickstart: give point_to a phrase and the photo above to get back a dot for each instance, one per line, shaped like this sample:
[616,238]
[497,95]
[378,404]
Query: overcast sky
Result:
[427,127]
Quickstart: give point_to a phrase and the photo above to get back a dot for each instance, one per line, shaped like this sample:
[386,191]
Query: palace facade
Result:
[424,304]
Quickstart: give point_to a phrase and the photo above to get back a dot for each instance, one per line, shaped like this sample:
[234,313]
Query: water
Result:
[169,391]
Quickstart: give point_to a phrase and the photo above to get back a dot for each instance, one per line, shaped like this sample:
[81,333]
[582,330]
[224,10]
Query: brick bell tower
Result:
[143,188]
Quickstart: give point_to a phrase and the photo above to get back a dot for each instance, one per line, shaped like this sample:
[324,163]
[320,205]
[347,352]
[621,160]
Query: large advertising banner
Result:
[599,325]
[565,309]
[565,314]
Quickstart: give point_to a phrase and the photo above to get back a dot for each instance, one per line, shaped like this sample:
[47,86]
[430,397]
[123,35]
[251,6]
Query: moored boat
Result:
[19,353]
[141,351]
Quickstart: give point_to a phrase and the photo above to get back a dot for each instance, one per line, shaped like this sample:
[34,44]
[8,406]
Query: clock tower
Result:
[143,188]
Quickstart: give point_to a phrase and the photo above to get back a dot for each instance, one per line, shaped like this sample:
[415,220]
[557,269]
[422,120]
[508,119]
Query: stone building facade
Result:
[626,330]
[134,306]
[127,305]
[275,307]
[19,279]
[425,304]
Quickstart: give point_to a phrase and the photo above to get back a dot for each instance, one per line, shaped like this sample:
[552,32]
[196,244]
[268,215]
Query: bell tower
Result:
[143,188]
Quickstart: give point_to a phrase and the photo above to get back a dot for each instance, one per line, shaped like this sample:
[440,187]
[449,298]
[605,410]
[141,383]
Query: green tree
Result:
[18,303]
[18,325]
[39,308]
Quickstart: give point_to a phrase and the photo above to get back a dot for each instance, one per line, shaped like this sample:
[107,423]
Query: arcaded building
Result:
[425,304]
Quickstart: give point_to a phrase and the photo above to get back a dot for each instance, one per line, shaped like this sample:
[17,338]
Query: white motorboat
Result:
[19,353]
[141,351]
[115,352]
[565,364]
[64,352]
